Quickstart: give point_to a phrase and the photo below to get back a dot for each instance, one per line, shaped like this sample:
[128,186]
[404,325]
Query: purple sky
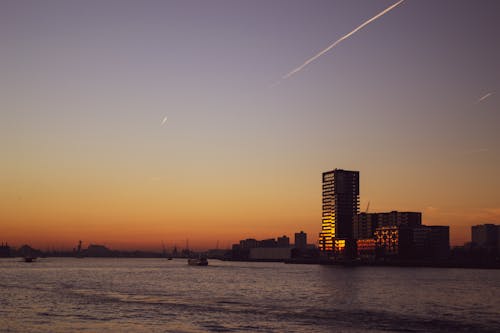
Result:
[85,85]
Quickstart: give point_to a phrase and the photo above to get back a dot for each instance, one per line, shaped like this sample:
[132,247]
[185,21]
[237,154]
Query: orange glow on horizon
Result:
[126,210]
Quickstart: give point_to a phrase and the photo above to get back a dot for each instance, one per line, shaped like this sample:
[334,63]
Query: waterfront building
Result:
[393,241]
[271,242]
[239,253]
[440,241]
[431,242]
[270,253]
[366,248]
[486,236]
[395,218]
[340,204]
[300,240]
[387,240]
[219,254]
[248,243]
[421,241]
[266,249]
[283,241]
[364,225]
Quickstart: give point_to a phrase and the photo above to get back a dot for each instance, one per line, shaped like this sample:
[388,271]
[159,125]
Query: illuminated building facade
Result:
[366,223]
[387,240]
[340,204]
[393,241]
[366,248]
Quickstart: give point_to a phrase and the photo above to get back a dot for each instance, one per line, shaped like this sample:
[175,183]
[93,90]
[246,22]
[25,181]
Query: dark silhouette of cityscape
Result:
[351,237]
[347,237]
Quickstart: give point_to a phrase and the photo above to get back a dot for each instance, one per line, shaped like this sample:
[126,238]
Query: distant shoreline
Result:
[315,261]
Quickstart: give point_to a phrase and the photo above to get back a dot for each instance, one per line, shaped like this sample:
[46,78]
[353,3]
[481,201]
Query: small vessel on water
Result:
[201,261]
[169,257]
[28,253]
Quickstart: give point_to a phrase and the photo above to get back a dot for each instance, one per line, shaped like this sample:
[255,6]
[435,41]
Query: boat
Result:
[29,259]
[201,261]
[165,252]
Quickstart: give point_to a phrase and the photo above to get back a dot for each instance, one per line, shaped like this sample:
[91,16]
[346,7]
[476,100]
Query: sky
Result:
[129,123]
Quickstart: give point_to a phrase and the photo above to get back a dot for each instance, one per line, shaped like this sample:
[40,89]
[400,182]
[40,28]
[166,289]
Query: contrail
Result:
[475,151]
[364,24]
[484,97]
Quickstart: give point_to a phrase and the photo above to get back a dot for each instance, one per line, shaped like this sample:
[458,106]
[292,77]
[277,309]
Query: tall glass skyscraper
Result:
[340,206]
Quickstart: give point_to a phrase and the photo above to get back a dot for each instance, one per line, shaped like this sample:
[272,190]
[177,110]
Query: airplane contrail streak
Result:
[484,97]
[364,24]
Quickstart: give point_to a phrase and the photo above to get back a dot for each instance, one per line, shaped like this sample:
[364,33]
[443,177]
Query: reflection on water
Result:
[144,295]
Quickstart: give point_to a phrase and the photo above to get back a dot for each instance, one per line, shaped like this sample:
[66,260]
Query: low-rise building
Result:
[271,242]
[270,253]
[300,240]
[439,241]
[283,241]
[366,248]
[248,243]
[266,249]
[486,236]
[431,242]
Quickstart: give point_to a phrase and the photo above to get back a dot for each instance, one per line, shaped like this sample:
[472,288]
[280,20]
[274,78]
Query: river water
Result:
[157,295]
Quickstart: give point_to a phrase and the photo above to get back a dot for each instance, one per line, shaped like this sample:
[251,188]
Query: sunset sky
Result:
[412,101]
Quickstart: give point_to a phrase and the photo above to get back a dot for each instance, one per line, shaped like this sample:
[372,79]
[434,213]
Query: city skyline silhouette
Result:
[131,123]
